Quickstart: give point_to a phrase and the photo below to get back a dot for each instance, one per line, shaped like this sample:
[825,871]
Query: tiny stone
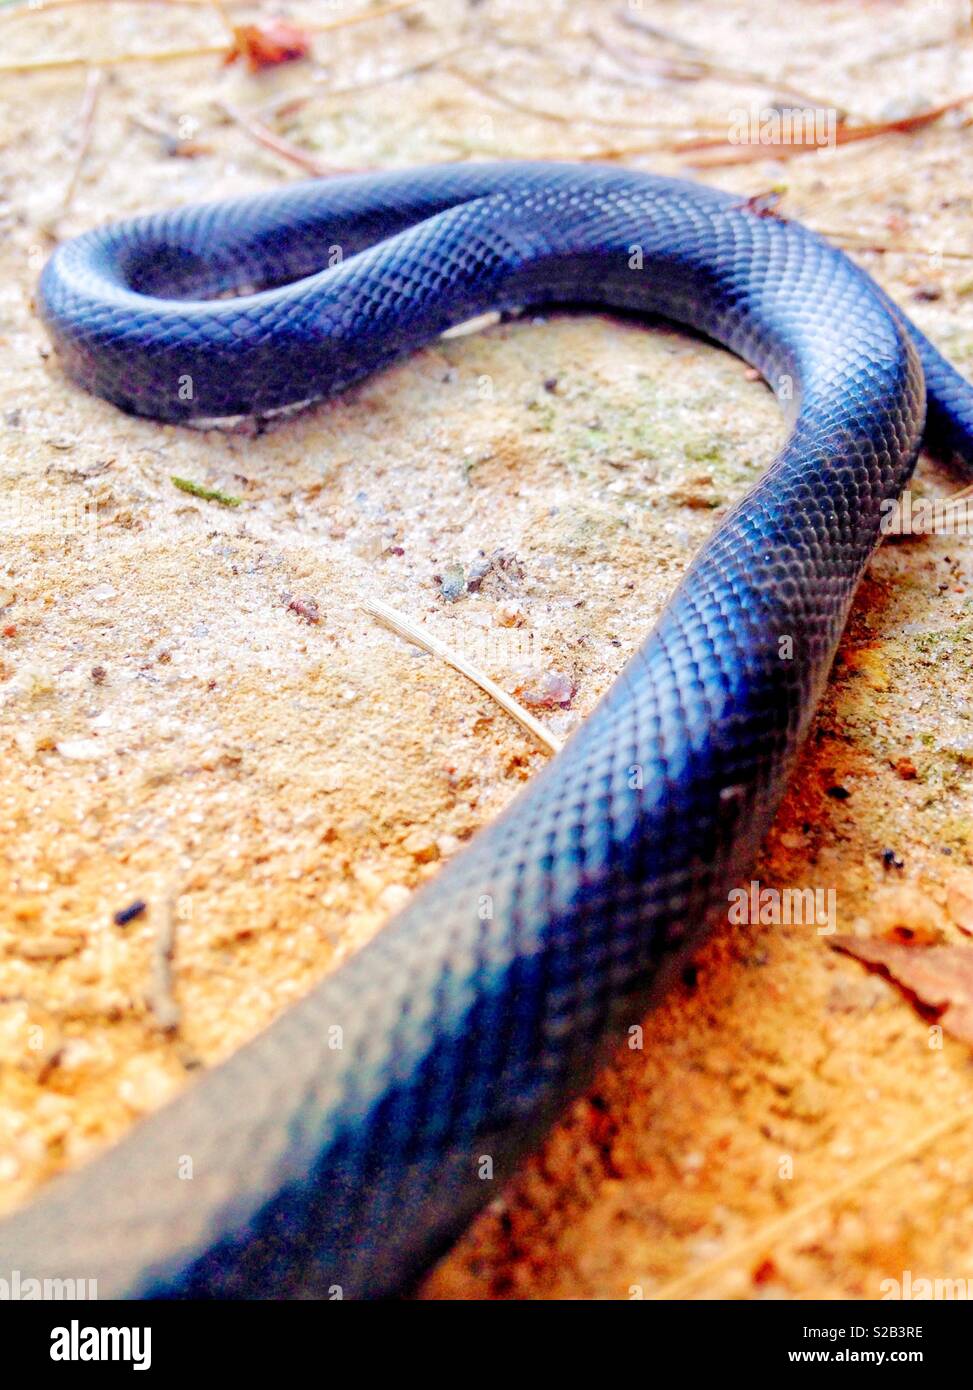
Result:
[479,570]
[421,846]
[549,689]
[452,583]
[80,750]
[510,615]
[394,897]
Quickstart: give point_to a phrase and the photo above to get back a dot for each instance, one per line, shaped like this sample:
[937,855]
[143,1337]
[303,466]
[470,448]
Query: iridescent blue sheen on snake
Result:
[342,1149]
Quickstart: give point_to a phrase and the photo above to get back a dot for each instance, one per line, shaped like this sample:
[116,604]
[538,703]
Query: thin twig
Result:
[696,68]
[610,154]
[843,135]
[910,50]
[170,55]
[643,26]
[412,633]
[834,198]
[856,241]
[220,8]
[287,104]
[43,6]
[363,17]
[571,117]
[172,142]
[678,1288]
[115,60]
[955,507]
[86,123]
[159,995]
[266,137]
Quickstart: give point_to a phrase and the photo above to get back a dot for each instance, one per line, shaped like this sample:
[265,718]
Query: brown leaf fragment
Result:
[266,44]
[939,978]
[959,899]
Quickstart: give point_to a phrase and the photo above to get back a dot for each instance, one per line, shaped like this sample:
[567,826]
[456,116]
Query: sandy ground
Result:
[175,732]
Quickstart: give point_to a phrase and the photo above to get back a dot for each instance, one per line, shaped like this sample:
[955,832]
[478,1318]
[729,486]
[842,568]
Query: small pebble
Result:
[548,690]
[80,750]
[792,840]
[510,615]
[479,570]
[452,583]
[421,845]
[394,897]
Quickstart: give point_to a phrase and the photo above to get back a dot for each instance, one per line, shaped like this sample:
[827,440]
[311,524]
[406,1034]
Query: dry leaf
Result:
[959,899]
[938,977]
[267,44]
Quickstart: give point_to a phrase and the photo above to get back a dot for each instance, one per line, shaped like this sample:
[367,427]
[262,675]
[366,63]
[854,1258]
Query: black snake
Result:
[341,1150]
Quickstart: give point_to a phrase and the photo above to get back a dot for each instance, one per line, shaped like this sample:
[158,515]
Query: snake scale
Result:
[340,1151]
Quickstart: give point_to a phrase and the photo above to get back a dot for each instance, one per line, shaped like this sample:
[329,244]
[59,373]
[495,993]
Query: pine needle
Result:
[284,148]
[168,55]
[86,125]
[159,996]
[761,1239]
[404,627]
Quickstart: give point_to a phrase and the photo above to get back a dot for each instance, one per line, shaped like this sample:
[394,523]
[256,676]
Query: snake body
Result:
[339,1152]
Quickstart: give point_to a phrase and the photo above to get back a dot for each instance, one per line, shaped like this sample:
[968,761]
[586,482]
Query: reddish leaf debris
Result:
[268,44]
[940,978]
